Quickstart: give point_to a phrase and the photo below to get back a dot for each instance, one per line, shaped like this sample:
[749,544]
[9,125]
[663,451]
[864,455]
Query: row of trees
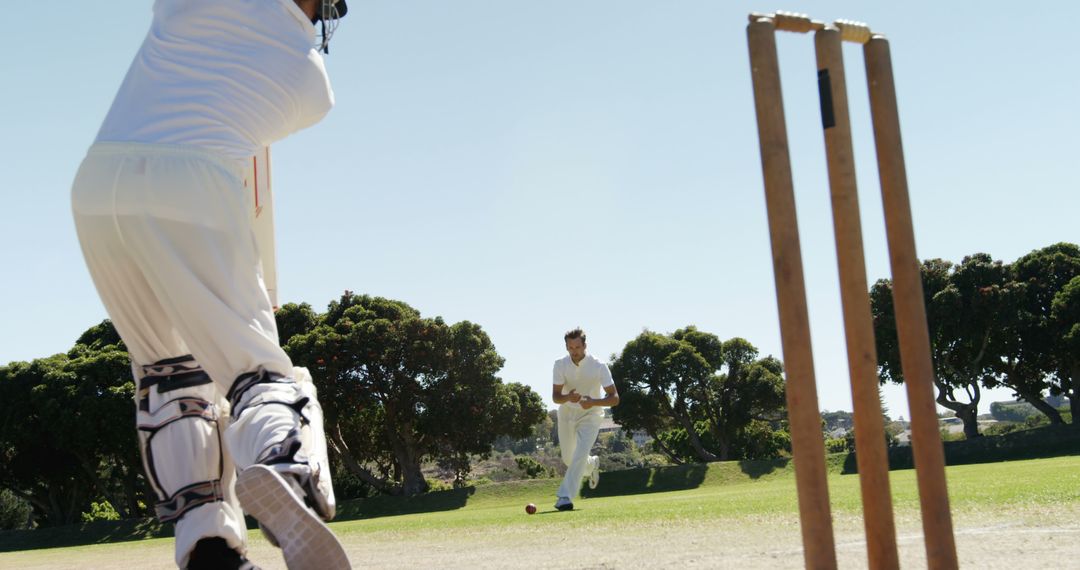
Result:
[67,436]
[398,390]
[401,390]
[995,325]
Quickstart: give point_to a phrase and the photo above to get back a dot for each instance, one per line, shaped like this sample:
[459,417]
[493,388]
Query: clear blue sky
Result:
[534,166]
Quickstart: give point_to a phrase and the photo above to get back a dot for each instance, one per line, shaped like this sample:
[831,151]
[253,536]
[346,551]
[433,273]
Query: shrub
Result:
[948,435]
[14,511]
[435,485]
[836,445]
[1012,412]
[102,511]
[1050,441]
[1002,428]
[532,468]
[349,486]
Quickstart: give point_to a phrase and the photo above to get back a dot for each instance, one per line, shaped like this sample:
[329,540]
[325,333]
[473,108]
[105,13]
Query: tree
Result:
[700,399]
[1037,353]
[658,377]
[14,511]
[748,394]
[398,389]
[966,306]
[838,420]
[1065,316]
[293,319]
[540,438]
[66,433]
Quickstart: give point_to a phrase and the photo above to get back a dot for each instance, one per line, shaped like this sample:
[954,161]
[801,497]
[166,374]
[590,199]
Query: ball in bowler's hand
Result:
[530,508]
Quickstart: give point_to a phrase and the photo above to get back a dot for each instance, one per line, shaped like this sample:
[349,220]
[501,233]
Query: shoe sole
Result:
[306,542]
[567,507]
[594,477]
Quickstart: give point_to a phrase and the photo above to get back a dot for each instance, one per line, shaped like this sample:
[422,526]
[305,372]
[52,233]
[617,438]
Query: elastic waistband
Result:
[172,150]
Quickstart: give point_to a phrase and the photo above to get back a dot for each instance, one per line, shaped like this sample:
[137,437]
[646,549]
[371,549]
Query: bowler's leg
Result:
[585,431]
[567,434]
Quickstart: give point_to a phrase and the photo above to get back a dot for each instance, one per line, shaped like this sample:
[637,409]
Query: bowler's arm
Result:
[610,399]
[559,398]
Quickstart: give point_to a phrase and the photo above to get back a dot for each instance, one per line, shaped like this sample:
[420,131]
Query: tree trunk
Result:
[716,428]
[667,451]
[413,482]
[721,438]
[408,461]
[1074,395]
[132,491]
[695,440]
[1035,399]
[967,411]
[102,487]
[969,415]
[354,467]
[725,448]
[72,515]
[55,513]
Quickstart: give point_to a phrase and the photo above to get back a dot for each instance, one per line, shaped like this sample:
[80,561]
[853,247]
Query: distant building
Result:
[609,426]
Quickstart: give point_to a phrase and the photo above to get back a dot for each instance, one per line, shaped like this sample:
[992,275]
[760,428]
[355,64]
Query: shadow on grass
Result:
[756,468]
[682,477]
[97,532]
[101,532]
[383,506]
[650,480]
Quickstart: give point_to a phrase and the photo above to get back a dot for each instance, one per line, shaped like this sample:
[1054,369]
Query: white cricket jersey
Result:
[230,76]
[588,377]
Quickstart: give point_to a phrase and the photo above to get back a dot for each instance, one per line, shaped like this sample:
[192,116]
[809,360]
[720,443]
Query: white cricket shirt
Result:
[588,377]
[230,76]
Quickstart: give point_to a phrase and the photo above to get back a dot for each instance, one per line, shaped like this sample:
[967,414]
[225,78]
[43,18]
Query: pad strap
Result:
[284,452]
[176,410]
[188,498]
[169,375]
[246,382]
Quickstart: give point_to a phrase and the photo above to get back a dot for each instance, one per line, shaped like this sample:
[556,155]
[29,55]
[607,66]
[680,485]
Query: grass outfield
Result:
[1021,514]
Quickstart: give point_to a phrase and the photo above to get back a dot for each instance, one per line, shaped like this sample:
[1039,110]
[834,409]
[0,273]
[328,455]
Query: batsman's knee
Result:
[277,421]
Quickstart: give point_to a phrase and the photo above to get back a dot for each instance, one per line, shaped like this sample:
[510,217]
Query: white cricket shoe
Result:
[306,542]
[564,504]
[594,471]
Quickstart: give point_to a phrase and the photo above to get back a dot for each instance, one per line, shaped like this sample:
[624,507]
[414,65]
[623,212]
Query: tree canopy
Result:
[994,325]
[701,399]
[399,388]
[67,433]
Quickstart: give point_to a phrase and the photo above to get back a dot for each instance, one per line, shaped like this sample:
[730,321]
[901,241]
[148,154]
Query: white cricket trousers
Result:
[577,434]
[166,233]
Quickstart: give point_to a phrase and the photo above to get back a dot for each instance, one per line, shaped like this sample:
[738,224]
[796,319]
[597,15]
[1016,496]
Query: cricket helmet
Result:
[328,14]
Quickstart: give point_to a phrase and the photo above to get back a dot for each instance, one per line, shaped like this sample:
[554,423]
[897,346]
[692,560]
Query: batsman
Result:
[227,425]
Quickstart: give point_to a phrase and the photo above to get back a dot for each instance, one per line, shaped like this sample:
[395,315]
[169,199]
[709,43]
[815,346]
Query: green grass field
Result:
[1020,514]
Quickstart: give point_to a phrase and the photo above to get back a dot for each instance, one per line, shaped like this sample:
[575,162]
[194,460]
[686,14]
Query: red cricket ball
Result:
[530,508]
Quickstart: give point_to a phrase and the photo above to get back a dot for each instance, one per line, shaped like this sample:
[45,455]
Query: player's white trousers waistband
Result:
[162,149]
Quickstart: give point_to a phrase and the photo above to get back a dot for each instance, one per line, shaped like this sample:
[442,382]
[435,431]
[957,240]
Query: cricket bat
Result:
[258,181]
